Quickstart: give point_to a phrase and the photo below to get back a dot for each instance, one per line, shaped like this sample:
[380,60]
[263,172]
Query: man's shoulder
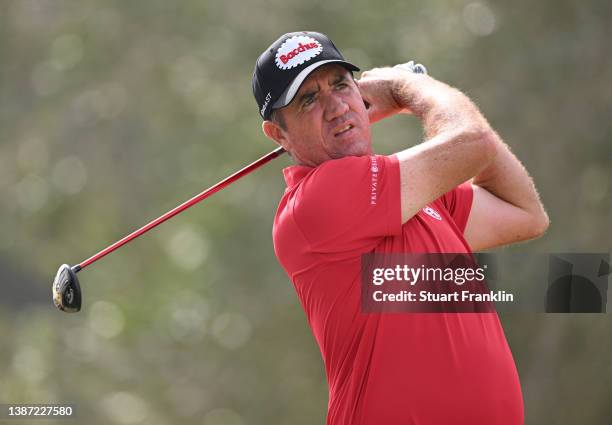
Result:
[319,186]
[335,165]
[346,169]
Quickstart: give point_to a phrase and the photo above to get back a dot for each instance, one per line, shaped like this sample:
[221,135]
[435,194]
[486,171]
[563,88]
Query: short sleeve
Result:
[458,202]
[350,203]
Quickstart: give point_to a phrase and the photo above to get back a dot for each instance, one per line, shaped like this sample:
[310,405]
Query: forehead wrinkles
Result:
[330,74]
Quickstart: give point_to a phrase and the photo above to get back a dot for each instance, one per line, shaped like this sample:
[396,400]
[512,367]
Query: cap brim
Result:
[287,96]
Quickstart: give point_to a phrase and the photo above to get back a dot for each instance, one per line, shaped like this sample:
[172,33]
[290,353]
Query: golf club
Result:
[66,289]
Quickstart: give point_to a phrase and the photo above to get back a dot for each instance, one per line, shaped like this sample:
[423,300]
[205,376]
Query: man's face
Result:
[327,118]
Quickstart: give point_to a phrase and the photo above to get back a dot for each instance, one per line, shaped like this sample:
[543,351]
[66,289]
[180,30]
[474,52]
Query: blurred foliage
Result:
[112,112]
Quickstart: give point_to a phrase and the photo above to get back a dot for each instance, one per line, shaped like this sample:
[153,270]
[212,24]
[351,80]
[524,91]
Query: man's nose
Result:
[335,107]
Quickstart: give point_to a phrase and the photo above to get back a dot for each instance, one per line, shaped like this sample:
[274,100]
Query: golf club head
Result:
[66,290]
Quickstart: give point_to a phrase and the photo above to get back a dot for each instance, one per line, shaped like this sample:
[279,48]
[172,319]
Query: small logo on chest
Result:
[432,213]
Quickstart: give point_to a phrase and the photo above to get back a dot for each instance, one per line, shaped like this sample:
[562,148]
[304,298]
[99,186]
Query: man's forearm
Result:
[440,107]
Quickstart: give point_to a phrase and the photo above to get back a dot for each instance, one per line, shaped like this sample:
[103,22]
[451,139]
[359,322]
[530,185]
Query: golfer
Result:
[459,191]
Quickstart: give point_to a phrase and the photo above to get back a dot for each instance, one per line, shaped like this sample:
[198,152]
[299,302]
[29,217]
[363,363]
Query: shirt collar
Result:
[295,173]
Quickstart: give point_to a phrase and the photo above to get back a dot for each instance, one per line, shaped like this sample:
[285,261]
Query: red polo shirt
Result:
[388,369]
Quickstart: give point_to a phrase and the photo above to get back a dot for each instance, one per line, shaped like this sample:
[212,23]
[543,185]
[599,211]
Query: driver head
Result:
[66,290]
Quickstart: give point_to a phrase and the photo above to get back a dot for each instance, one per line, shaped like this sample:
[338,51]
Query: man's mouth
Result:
[343,129]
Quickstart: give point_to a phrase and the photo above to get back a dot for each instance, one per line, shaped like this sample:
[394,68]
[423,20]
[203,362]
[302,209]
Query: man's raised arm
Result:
[460,145]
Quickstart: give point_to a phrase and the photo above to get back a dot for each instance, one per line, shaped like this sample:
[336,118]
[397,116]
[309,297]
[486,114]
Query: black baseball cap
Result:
[282,68]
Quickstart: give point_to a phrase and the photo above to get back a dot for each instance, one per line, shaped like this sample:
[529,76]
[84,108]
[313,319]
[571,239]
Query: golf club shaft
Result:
[203,195]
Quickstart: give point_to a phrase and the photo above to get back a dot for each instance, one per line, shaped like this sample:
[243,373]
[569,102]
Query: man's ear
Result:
[274,132]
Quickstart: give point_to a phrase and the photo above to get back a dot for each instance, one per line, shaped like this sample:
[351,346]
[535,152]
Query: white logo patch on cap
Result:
[297,50]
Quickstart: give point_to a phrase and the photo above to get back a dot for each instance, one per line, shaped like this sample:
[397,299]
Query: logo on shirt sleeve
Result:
[374,181]
[432,213]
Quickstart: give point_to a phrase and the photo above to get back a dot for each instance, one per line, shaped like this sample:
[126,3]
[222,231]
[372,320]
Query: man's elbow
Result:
[485,140]
[491,143]
[538,225]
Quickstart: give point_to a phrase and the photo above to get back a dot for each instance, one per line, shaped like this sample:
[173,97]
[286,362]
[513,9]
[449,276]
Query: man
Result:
[461,190]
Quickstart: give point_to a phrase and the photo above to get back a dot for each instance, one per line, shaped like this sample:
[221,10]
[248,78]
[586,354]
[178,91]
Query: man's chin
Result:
[345,154]
[358,149]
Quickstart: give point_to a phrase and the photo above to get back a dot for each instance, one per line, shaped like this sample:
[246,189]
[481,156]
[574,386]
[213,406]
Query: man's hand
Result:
[382,88]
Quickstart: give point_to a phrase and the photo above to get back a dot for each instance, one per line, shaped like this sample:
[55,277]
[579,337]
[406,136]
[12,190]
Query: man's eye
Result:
[308,101]
[340,86]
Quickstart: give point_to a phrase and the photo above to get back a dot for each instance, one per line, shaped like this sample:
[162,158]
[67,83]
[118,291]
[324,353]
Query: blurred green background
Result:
[112,112]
